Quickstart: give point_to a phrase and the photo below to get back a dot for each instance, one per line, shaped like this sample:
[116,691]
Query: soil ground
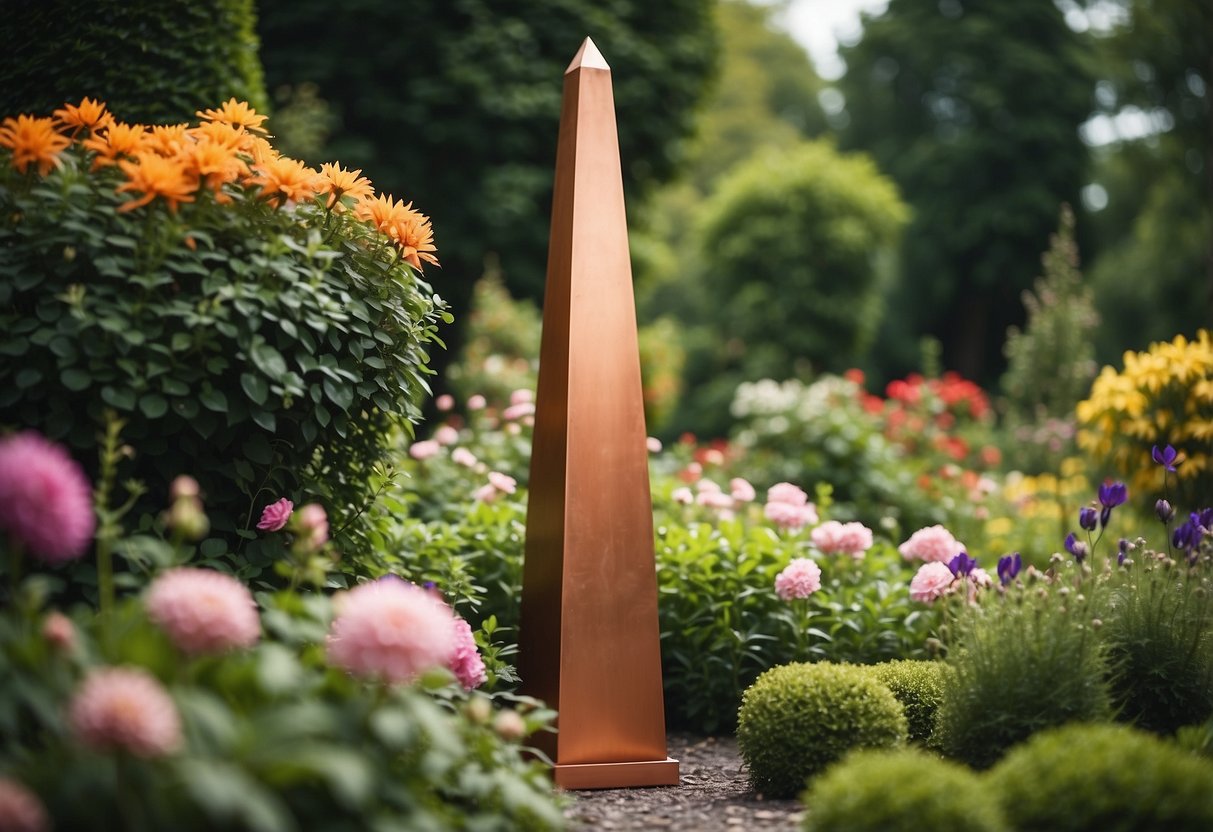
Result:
[715,796]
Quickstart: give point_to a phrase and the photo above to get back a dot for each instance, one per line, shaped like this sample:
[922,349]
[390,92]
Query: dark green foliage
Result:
[898,791]
[917,684]
[152,62]
[791,247]
[798,719]
[1103,778]
[1160,638]
[972,108]
[1019,663]
[266,360]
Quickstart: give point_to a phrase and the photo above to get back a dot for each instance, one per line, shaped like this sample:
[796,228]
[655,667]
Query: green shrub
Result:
[1103,778]
[272,348]
[917,684]
[152,61]
[1159,629]
[1020,663]
[898,791]
[799,718]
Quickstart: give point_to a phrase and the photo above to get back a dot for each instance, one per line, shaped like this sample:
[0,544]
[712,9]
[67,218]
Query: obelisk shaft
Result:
[589,640]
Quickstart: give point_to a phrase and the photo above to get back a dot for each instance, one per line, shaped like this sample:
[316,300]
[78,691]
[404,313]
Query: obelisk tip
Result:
[588,57]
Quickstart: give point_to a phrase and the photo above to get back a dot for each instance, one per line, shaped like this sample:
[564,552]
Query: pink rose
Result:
[466,663]
[444,402]
[275,515]
[934,579]
[446,435]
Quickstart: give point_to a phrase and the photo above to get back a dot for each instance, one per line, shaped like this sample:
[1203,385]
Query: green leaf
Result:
[153,405]
[27,377]
[265,419]
[75,379]
[255,387]
[258,449]
[119,397]
[341,395]
[174,387]
[212,547]
[267,359]
[213,399]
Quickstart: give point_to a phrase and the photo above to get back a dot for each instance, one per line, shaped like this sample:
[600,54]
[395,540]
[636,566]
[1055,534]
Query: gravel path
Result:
[714,796]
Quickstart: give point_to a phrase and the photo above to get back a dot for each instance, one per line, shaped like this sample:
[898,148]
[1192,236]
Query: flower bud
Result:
[59,632]
[1164,510]
[182,487]
[509,726]
[187,518]
[1088,518]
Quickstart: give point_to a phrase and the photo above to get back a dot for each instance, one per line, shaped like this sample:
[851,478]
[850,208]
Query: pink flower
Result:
[715,499]
[275,515]
[20,809]
[653,444]
[464,457]
[799,579]
[391,630]
[786,492]
[522,396]
[683,496]
[446,435]
[713,456]
[789,516]
[424,449]
[444,402]
[312,526]
[517,411]
[485,493]
[741,490]
[705,485]
[834,538]
[126,709]
[465,662]
[934,579]
[60,634]
[46,503]
[183,487]
[477,402]
[509,726]
[203,611]
[933,544]
[503,482]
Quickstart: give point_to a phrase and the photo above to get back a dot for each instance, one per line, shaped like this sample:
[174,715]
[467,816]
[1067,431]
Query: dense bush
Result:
[798,719]
[917,685]
[1103,778]
[898,791]
[243,322]
[1020,662]
[162,60]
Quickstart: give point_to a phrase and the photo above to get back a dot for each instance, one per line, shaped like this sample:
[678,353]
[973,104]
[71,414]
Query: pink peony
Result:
[653,444]
[46,503]
[444,402]
[20,809]
[312,526]
[391,630]
[789,516]
[503,482]
[799,579]
[683,496]
[933,544]
[707,485]
[516,411]
[741,490]
[465,662]
[203,611]
[424,449]
[786,492]
[446,435]
[522,396]
[834,538]
[485,493]
[934,579]
[477,402]
[125,709]
[464,457]
[60,634]
[275,515]
[715,499]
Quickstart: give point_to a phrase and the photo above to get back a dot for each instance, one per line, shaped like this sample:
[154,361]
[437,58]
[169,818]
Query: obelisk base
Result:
[617,775]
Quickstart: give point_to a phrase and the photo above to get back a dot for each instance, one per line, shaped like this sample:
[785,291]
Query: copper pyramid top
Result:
[588,57]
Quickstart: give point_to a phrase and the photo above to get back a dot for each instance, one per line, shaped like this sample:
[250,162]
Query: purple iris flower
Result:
[1187,536]
[1076,547]
[1205,518]
[1111,494]
[1008,567]
[1164,510]
[962,565]
[1165,457]
[1088,518]
[1123,551]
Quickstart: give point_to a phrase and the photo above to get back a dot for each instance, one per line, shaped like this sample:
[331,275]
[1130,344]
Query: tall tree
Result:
[455,104]
[973,107]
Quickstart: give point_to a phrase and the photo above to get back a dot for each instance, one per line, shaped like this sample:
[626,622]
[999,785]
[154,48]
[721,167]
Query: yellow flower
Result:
[87,115]
[156,176]
[237,114]
[408,229]
[33,140]
[338,182]
[287,178]
[117,141]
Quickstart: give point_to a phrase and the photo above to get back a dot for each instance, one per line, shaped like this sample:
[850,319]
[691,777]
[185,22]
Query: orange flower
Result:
[407,228]
[33,140]
[288,178]
[154,176]
[217,132]
[119,140]
[167,139]
[87,115]
[237,114]
[337,182]
[215,163]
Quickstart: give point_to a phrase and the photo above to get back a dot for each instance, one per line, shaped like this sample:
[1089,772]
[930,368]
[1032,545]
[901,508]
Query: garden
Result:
[927,554]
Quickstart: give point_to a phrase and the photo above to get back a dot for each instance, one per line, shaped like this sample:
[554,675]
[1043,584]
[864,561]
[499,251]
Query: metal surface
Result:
[589,638]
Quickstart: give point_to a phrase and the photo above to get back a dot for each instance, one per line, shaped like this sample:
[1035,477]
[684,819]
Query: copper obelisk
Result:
[589,637]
